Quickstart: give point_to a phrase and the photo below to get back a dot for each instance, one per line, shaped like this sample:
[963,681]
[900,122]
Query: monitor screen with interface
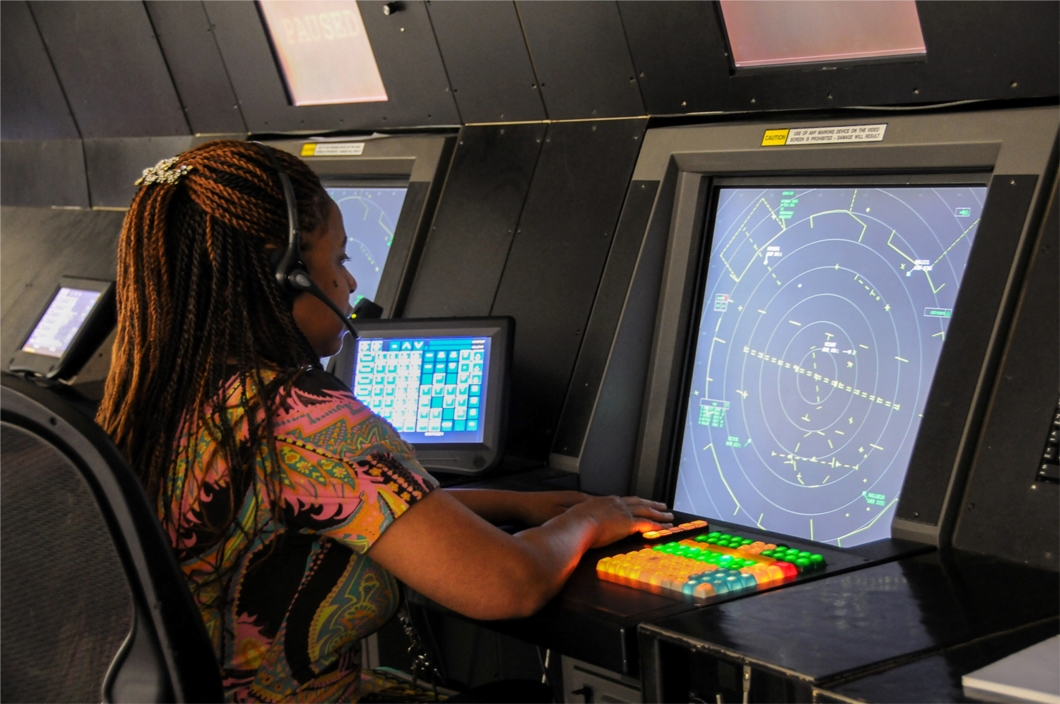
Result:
[442,385]
[370,215]
[76,319]
[823,314]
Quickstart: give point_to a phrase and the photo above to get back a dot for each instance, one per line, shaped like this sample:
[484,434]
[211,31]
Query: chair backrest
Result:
[93,605]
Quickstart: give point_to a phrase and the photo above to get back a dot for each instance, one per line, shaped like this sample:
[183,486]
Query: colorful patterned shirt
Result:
[301,593]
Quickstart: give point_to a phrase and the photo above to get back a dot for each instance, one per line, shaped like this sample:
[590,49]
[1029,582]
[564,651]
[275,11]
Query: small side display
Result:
[442,384]
[77,318]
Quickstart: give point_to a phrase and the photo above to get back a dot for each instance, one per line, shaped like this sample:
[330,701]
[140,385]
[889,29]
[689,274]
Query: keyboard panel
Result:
[703,567]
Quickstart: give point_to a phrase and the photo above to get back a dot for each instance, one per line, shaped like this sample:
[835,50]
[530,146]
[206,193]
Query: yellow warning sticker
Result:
[775,138]
[838,134]
[309,149]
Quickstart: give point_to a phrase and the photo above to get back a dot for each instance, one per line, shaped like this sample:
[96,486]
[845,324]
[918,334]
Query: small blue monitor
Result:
[441,383]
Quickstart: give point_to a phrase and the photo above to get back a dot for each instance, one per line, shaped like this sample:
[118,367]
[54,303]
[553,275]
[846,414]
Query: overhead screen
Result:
[370,216]
[323,51]
[824,311]
[780,32]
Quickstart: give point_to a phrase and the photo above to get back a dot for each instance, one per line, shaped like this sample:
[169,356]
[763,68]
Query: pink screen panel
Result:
[323,51]
[778,32]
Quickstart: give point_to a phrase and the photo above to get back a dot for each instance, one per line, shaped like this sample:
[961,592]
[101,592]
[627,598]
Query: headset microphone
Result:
[291,273]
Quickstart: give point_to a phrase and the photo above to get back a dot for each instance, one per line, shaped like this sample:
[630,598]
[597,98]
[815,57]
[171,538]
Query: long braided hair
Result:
[198,304]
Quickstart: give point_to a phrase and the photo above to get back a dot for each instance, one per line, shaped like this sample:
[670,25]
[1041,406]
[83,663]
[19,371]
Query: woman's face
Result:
[324,257]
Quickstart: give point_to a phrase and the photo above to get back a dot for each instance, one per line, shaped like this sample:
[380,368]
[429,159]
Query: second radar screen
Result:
[370,217]
[824,314]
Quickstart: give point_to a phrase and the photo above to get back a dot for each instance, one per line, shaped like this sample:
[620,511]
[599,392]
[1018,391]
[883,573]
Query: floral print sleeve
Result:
[349,475]
[300,593]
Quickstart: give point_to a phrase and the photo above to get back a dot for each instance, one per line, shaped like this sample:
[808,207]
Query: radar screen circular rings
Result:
[823,317]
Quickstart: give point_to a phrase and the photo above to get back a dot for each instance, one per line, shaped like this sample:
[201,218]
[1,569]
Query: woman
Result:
[291,507]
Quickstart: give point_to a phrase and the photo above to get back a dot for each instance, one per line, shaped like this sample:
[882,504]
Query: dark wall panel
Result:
[32,105]
[1006,513]
[43,172]
[581,59]
[199,74]
[603,322]
[487,61]
[39,246]
[111,68]
[475,222]
[114,165]
[679,51]
[554,267]
[405,50]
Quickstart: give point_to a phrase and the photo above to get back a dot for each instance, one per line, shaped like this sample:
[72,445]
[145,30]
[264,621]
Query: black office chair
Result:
[94,606]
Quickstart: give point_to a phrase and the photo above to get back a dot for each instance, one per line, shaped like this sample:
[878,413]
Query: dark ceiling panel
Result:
[581,59]
[679,51]
[487,61]
[111,68]
[475,222]
[198,72]
[32,105]
[405,50]
[554,267]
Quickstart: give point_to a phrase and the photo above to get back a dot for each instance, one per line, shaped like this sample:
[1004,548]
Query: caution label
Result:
[824,135]
[333,149]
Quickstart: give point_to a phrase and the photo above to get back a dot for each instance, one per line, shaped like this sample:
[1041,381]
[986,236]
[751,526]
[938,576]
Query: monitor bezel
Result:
[95,328]
[711,188]
[460,458]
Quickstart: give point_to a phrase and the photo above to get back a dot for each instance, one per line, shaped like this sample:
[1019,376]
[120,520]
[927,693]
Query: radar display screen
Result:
[824,312]
[370,216]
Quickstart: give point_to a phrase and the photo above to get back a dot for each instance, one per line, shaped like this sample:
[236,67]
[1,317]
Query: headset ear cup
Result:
[298,280]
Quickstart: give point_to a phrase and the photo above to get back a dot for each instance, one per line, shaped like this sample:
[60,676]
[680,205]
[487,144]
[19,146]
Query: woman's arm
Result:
[449,554]
[528,508]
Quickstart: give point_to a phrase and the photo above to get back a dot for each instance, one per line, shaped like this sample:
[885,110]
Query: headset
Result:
[291,273]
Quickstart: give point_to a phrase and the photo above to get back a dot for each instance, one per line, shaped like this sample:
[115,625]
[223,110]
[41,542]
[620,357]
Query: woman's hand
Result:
[617,517]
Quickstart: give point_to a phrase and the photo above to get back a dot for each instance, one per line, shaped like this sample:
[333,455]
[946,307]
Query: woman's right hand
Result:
[617,517]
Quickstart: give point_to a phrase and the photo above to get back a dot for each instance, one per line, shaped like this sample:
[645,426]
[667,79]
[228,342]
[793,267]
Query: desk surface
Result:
[830,630]
[597,621]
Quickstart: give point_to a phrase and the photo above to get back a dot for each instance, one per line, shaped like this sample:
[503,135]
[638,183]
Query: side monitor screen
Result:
[62,320]
[431,389]
[824,312]
[370,216]
[442,384]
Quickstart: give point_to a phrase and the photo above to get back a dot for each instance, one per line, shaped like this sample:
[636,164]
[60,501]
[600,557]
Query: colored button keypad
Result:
[707,566]
[655,534]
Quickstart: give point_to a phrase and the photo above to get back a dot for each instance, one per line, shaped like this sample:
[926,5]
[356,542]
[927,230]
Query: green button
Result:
[657,547]
[702,538]
[746,541]
[817,559]
[783,548]
[805,553]
[802,562]
[713,534]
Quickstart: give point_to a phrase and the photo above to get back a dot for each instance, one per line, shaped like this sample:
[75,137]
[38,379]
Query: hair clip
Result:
[162,172]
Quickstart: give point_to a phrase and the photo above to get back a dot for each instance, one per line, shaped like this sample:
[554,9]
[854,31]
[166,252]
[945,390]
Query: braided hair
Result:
[198,304]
